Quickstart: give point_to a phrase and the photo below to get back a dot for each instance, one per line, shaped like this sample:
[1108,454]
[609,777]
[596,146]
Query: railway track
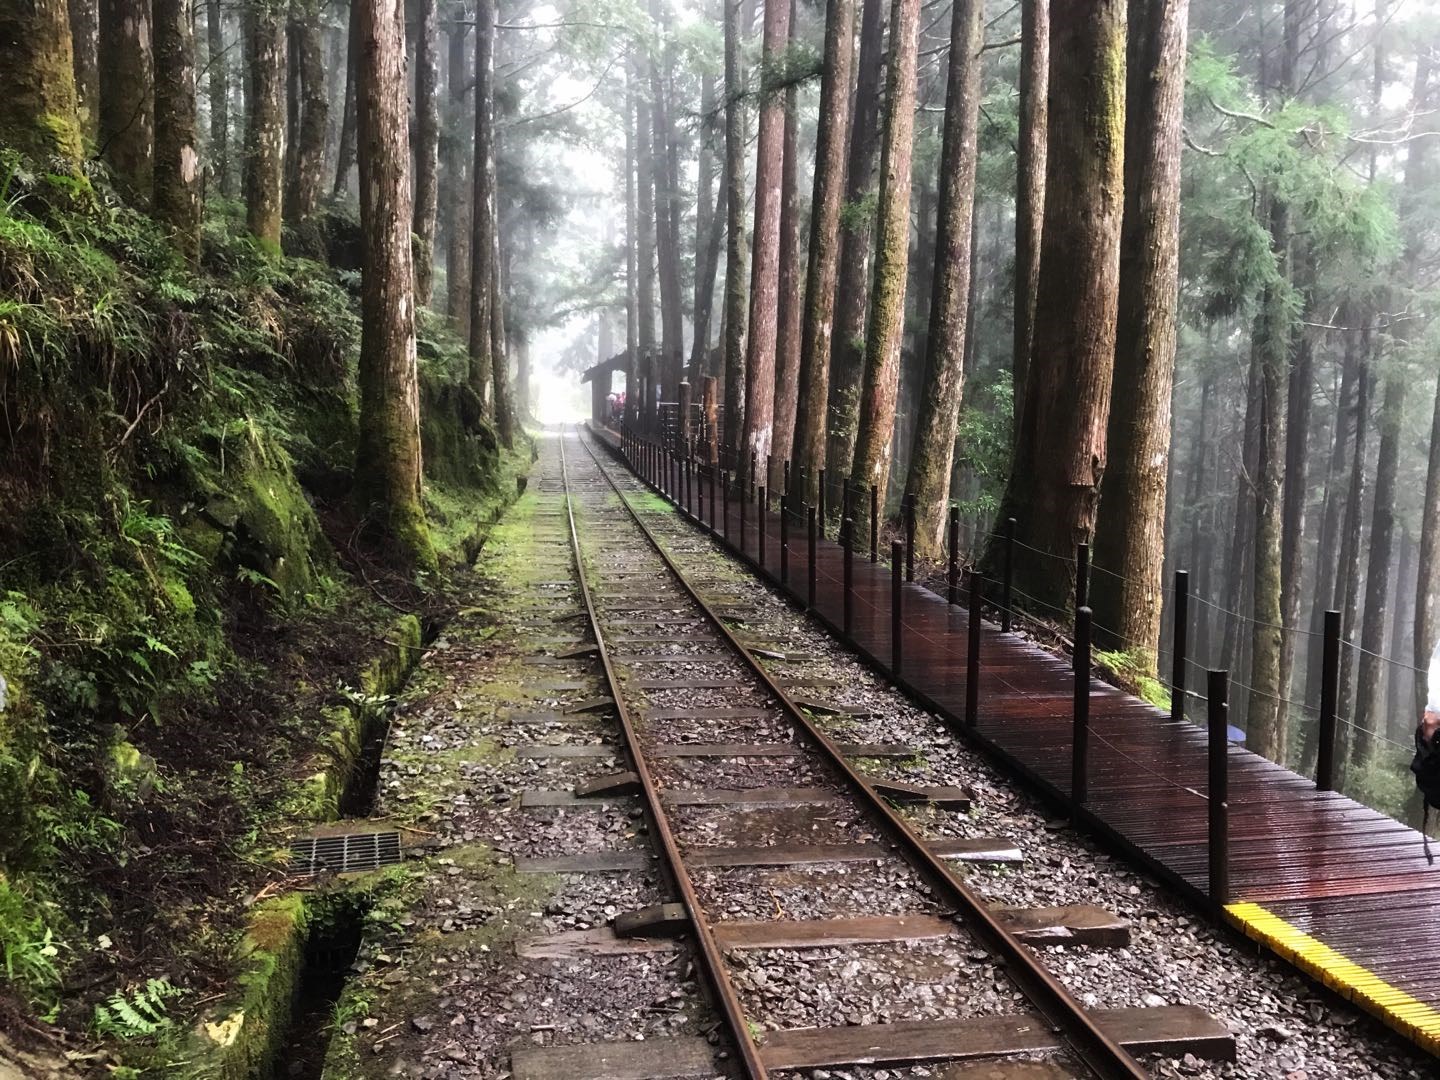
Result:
[717,786]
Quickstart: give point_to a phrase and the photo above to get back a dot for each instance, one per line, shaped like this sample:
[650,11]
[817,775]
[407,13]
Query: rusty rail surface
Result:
[1082,1036]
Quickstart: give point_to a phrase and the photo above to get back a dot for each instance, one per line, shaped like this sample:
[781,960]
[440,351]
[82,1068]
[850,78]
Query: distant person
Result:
[1426,762]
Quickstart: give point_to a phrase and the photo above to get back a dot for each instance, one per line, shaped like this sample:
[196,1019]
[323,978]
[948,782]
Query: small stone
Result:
[1277,1033]
[423,1025]
[1152,1001]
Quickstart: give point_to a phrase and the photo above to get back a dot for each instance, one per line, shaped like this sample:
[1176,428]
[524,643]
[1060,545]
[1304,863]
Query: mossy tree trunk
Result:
[892,255]
[1129,535]
[1030,180]
[667,217]
[177,158]
[38,107]
[645,240]
[427,143]
[847,355]
[1054,484]
[314,110]
[387,460]
[85,40]
[127,104]
[632,301]
[345,154]
[792,282]
[265,123]
[455,144]
[217,87]
[733,319]
[499,353]
[765,264]
[933,455]
[707,214]
[815,335]
[482,221]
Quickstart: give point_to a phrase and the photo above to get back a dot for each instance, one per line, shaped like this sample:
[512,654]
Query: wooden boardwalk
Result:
[1340,890]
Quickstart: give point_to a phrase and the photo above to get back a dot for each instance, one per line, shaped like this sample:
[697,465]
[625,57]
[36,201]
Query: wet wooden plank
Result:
[1073,924]
[752,797]
[1174,1029]
[601,941]
[647,1059]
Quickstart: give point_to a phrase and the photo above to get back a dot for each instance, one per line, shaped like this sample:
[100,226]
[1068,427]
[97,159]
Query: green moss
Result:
[1134,671]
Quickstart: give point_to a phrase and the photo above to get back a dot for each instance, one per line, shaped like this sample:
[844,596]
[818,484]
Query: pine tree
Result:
[177,157]
[39,112]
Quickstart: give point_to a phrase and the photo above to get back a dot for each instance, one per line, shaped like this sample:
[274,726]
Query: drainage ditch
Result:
[337,923]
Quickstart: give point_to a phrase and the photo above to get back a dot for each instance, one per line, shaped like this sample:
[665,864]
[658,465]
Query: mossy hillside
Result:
[176,445]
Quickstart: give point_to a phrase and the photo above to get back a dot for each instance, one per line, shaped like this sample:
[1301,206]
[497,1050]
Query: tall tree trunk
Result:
[387,457]
[1377,572]
[177,160]
[1030,179]
[706,236]
[645,252]
[933,453]
[765,268]
[314,112]
[499,351]
[787,331]
[825,242]
[1348,572]
[1427,581]
[523,399]
[456,147]
[667,221]
[1129,533]
[127,107]
[847,349]
[39,111]
[892,250]
[482,235]
[1054,483]
[345,156]
[735,289]
[217,86]
[632,302]
[427,144]
[265,125]
[85,43]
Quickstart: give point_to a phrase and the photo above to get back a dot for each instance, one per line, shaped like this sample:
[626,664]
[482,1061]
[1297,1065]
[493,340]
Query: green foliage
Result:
[859,214]
[141,1014]
[29,950]
[984,439]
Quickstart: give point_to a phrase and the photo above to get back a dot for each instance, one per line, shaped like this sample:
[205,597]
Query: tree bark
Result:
[892,253]
[499,351]
[85,43]
[735,289]
[177,160]
[482,236]
[825,242]
[455,146]
[665,172]
[706,214]
[765,267]
[427,144]
[1348,572]
[39,111]
[645,252]
[791,283]
[933,453]
[127,106]
[387,458]
[847,351]
[314,113]
[345,156]
[1129,533]
[1054,485]
[1030,179]
[632,302]
[217,86]
[265,125]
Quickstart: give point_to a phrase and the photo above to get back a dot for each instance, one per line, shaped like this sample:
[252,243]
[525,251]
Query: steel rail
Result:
[1086,1039]
[713,961]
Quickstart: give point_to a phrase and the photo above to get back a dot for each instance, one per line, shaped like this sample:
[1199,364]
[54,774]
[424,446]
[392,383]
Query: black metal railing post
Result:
[787,491]
[1080,744]
[1007,614]
[821,501]
[897,602]
[874,522]
[785,537]
[750,481]
[846,529]
[972,653]
[910,538]
[725,499]
[711,470]
[1219,789]
[762,504]
[810,561]
[743,502]
[1179,645]
[1329,703]
[953,592]
[1082,575]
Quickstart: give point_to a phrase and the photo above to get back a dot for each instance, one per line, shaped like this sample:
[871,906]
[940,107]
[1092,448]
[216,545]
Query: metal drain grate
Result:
[345,854]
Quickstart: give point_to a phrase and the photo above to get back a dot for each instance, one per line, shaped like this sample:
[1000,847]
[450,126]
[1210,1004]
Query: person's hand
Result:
[1430,723]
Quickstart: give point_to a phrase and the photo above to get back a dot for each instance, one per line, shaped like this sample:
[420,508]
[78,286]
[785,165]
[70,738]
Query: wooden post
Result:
[972,656]
[712,435]
[1329,702]
[743,501]
[1082,575]
[846,529]
[897,600]
[822,503]
[1007,612]
[910,538]
[954,574]
[1080,745]
[725,499]
[710,469]
[874,523]
[810,563]
[1179,645]
[1219,790]
[785,537]
[762,505]
[684,425]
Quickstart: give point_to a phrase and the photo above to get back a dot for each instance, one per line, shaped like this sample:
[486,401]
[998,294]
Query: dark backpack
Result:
[1426,767]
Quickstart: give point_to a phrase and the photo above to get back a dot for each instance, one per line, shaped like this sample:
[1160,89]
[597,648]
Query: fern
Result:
[140,1015]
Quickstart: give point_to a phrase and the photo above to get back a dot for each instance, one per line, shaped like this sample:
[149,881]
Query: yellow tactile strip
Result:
[1413,1019]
